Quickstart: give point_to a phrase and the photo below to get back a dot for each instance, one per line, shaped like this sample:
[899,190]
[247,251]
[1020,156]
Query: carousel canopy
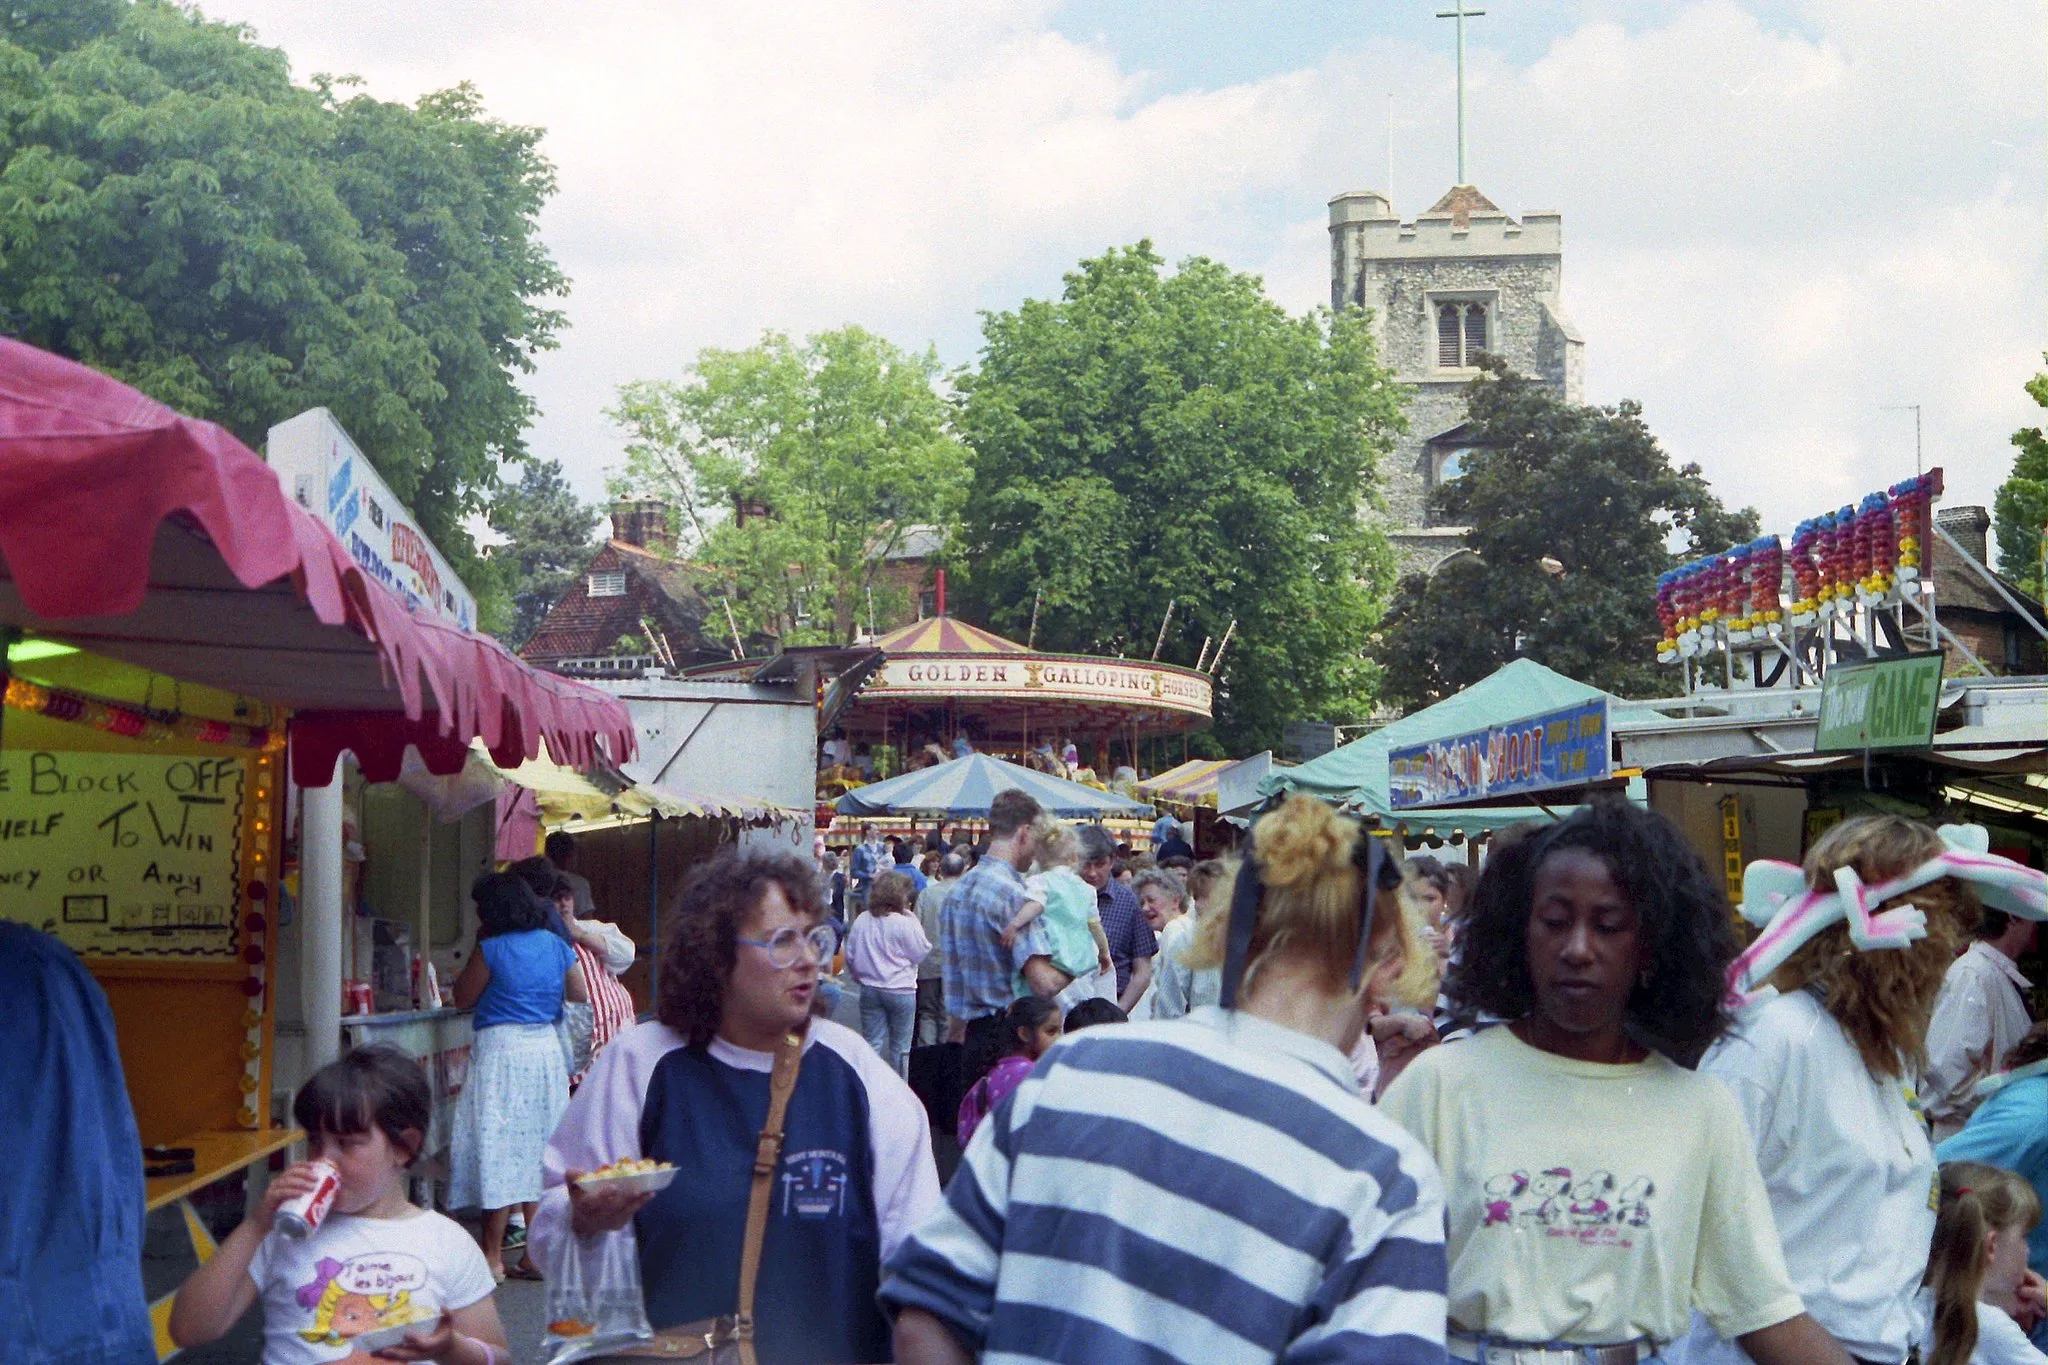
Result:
[965,787]
[940,673]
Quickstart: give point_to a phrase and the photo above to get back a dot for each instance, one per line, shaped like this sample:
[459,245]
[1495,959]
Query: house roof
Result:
[670,593]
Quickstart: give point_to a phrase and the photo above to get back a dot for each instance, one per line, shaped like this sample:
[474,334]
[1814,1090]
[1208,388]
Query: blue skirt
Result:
[517,1090]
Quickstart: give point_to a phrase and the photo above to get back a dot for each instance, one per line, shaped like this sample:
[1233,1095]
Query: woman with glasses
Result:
[739,968]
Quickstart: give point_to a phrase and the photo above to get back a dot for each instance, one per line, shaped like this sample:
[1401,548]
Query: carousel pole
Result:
[1203,657]
[1216,664]
[1160,643]
[1031,640]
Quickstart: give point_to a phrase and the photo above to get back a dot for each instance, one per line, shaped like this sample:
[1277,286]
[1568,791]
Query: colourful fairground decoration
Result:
[1867,555]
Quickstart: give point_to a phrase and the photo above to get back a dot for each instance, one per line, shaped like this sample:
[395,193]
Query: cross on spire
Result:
[1461,14]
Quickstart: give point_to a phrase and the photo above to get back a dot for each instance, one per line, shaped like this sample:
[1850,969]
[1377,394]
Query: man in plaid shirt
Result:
[980,973]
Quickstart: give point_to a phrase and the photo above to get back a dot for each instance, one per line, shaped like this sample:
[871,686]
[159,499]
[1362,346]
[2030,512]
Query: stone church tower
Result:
[1461,279]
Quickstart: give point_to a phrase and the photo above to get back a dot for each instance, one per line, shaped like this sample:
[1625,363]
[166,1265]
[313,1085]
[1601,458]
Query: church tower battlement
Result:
[1461,279]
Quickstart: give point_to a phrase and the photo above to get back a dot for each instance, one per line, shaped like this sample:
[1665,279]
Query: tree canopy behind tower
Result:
[1152,436]
[176,212]
[1586,487]
[2022,504]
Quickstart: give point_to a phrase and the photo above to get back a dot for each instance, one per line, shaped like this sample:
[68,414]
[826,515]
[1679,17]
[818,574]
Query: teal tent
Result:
[1355,776]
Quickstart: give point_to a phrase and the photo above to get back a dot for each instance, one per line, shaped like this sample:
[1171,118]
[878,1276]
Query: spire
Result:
[1461,14]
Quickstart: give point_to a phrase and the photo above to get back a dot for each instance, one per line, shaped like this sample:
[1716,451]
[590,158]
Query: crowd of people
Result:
[1353,1108]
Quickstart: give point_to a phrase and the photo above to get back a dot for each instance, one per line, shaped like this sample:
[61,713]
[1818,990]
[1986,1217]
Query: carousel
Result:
[942,681]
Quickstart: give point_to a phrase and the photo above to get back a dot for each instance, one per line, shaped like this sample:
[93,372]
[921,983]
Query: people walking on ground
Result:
[931,986]
[883,950]
[1979,1016]
[1977,1269]
[1207,1190]
[1162,900]
[1598,1190]
[516,981]
[693,1087]
[2009,1127]
[870,859]
[1175,845]
[981,972]
[1131,945]
[1823,1072]
[1056,897]
[375,1261]
[1092,1012]
[72,1236]
[610,1004]
[937,839]
[1033,1025]
[906,854]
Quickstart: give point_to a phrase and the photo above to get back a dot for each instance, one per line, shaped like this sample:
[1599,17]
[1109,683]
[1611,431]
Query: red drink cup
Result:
[301,1216]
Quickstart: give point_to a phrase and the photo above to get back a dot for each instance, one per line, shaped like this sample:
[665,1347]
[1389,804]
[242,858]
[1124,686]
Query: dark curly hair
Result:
[1682,910]
[701,943]
[506,904]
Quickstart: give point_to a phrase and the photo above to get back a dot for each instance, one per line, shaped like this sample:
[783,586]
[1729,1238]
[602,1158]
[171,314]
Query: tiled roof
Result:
[1460,204]
[658,589]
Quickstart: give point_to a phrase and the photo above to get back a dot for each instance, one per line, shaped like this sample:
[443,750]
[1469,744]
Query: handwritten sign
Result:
[1565,748]
[123,855]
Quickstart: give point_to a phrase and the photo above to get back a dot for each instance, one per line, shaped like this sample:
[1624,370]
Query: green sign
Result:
[1884,704]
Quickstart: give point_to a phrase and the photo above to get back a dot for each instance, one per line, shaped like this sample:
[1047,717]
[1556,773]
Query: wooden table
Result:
[215,1156]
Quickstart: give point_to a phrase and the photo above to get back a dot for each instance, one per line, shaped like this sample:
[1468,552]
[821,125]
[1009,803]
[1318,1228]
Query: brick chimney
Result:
[643,522]
[1971,527]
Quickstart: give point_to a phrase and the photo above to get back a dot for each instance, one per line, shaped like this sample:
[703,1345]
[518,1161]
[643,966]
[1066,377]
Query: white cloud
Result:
[1771,232]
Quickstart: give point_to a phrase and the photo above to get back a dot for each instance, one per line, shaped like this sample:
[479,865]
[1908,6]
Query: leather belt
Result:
[1462,1347]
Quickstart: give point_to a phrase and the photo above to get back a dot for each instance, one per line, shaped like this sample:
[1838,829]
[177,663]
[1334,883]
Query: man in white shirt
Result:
[1979,1015]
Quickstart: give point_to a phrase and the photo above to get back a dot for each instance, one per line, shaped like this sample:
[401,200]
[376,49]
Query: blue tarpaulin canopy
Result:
[963,789]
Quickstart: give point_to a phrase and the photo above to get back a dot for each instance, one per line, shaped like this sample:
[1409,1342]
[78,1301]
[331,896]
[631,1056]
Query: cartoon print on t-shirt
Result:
[361,1294]
[1585,1208]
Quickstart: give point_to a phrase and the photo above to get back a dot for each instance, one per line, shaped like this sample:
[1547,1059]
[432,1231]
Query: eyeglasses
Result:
[785,947]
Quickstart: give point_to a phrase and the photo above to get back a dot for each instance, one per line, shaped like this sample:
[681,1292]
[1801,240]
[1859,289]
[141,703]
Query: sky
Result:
[1782,218]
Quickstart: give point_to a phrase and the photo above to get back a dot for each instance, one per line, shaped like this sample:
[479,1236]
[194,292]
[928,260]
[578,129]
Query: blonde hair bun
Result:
[1303,843]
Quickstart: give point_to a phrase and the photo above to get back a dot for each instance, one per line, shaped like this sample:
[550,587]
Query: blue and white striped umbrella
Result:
[964,787]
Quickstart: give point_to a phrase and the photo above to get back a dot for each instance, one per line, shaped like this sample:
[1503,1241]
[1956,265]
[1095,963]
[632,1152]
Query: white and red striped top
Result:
[611,1005]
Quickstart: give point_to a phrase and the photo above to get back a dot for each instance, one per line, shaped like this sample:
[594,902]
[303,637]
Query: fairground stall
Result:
[1456,772]
[173,615]
[1195,792]
[964,789]
[1874,663]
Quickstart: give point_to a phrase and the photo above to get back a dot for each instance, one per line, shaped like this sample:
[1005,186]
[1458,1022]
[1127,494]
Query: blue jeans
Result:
[886,1018]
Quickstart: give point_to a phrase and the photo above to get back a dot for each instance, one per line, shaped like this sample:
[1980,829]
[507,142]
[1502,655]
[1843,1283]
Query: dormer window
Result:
[1460,333]
[608,585]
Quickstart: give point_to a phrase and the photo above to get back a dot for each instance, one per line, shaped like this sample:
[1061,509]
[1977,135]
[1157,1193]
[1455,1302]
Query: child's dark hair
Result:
[1093,1011]
[1027,1013]
[1682,910]
[370,1087]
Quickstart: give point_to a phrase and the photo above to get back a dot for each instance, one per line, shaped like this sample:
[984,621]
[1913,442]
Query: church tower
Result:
[1461,279]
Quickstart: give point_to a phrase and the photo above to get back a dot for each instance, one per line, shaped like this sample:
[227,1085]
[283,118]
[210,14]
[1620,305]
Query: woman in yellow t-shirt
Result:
[1597,1190]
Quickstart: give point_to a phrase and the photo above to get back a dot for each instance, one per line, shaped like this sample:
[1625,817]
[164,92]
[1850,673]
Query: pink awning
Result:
[161,540]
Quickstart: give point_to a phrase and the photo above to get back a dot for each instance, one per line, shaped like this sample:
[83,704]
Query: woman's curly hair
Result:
[1883,999]
[1685,926]
[705,920]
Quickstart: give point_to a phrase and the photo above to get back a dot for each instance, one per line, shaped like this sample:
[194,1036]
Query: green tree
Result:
[548,541]
[1152,436]
[799,469]
[176,212]
[1588,488]
[2022,502]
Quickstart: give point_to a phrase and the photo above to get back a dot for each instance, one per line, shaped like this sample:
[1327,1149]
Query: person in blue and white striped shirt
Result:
[1208,1190]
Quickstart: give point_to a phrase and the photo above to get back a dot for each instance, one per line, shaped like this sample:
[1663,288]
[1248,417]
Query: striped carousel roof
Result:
[944,635]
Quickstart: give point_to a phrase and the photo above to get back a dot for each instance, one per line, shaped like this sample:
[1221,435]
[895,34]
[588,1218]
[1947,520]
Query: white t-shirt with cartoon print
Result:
[1589,1203]
[354,1275]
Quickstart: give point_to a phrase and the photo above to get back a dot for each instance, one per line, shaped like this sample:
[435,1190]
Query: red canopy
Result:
[146,536]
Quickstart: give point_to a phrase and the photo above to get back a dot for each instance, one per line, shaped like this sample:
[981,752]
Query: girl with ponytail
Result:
[1207,1189]
[1976,1266]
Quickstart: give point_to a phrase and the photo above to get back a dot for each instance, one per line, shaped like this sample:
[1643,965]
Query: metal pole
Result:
[1160,643]
[320,919]
[654,912]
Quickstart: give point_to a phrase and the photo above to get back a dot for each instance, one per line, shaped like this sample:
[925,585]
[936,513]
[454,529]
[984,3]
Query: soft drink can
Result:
[299,1217]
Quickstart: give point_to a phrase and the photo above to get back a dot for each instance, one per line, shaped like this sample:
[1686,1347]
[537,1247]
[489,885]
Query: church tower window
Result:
[1460,333]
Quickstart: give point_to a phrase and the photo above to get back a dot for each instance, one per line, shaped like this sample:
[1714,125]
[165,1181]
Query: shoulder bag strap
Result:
[767,1156]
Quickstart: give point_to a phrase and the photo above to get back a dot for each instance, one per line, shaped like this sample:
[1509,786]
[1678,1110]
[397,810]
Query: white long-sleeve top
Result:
[1980,1006]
